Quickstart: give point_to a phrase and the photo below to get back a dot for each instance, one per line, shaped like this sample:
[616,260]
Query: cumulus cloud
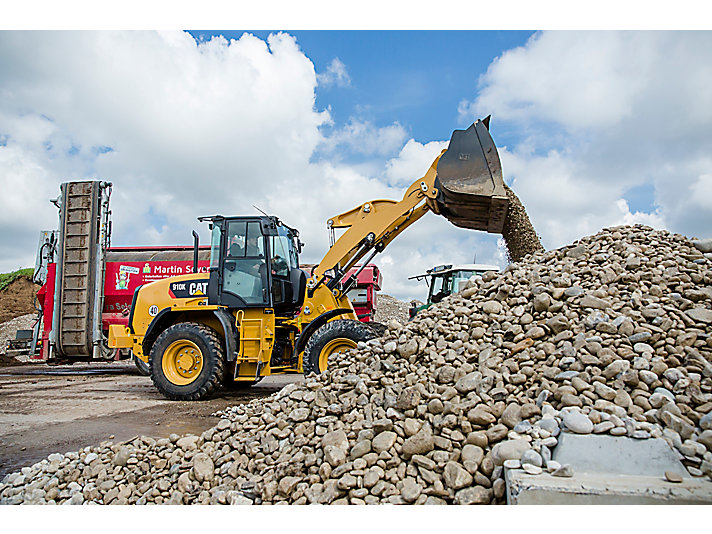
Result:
[181,128]
[364,138]
[185,128]
[601,113]
[335,74]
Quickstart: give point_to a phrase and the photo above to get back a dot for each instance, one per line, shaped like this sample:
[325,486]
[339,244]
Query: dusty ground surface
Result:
[66,408]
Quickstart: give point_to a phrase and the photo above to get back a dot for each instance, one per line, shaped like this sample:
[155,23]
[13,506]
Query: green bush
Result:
[7,278]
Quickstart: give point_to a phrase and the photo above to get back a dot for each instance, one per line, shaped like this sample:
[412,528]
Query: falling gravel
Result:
[609,335]
[518,232]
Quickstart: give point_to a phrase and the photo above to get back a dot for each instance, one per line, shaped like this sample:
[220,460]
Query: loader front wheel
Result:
[336,336]
[187,362]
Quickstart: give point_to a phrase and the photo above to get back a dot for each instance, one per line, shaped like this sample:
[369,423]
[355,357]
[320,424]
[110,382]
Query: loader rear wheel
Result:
[336,336]
[187,361]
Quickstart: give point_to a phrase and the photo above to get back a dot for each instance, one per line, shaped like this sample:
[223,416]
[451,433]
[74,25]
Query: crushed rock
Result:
[607,335]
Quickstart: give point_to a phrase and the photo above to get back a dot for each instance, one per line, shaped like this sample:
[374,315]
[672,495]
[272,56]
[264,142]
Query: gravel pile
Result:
[608,335]
[8,330]
[388,308]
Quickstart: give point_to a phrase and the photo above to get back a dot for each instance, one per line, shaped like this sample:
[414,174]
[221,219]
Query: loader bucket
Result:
[469,181]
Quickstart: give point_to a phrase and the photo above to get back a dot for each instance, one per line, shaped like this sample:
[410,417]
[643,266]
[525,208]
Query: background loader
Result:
[256,313]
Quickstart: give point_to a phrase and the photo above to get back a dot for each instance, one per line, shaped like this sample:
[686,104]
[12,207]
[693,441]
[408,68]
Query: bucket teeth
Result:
[469,181]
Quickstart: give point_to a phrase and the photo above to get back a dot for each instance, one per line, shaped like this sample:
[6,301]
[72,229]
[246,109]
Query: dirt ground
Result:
[66,408]
[17,299]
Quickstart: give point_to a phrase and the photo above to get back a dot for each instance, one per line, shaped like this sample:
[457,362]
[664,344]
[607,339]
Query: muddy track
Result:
[66,408]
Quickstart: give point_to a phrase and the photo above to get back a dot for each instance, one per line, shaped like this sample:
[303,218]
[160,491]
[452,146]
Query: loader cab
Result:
[254,263]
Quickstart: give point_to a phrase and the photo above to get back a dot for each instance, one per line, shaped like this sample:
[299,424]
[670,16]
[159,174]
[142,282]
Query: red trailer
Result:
[126,268]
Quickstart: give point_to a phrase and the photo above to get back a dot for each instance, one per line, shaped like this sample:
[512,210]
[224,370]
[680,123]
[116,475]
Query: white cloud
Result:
[336,74]
[193,128]
[601,113]
[364,138]
[412,162]
[184,129]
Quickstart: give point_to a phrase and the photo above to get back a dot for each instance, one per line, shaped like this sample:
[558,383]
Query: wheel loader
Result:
[256,313]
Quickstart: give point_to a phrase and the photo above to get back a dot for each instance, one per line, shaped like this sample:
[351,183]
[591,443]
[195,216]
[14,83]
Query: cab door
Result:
[244,277]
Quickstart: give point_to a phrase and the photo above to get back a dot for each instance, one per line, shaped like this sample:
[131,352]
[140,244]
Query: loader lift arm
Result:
[464,184]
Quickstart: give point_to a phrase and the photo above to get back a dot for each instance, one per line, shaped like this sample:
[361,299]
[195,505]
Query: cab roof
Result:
[450,268]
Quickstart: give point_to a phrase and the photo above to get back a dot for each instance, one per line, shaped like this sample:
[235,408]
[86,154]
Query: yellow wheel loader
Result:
[256,313]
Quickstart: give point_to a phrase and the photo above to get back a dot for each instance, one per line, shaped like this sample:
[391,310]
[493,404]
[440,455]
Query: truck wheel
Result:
[142,366]
[336,336]
[187,361]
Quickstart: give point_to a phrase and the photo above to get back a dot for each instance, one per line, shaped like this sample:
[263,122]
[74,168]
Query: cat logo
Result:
[188,289]
[198,289]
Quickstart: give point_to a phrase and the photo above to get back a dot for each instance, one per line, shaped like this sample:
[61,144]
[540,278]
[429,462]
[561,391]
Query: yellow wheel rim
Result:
[340,344]
[182,362]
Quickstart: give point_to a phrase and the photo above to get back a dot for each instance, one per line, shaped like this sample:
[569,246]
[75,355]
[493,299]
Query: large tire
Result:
[333,337]
[187,362]
[142,366]
[378,328]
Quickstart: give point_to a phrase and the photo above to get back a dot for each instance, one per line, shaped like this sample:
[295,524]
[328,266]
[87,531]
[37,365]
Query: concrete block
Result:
[616,454]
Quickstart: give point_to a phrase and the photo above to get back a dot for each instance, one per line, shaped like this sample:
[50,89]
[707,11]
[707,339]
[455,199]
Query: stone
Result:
[473,495]
[480,416]
[511,415]
[512,464]
[408,349]
[509,450]
[473,454]
[420,443]
[334,455]
[700,315]
[122,457]
[532,469]
[411,490]
[468,383]
[589,301]
[188,443]
[299,414]
[455,476]
[578,422]
[564,471]
[338,439]
[531,457]
[408,399]
[672,476]
[383,441]
[492,307]
[203,467]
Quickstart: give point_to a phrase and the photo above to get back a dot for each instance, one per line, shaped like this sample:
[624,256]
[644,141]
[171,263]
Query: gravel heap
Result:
[608,335]
[8,330]
[388,308]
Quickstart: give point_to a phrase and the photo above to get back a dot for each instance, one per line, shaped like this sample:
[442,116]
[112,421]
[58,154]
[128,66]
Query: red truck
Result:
[363,295]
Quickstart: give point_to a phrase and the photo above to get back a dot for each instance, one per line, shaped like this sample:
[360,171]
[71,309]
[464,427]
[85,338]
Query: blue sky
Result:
[594,129]
[415,78]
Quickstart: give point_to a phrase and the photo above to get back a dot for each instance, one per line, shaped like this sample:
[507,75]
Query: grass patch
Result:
[8,278]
